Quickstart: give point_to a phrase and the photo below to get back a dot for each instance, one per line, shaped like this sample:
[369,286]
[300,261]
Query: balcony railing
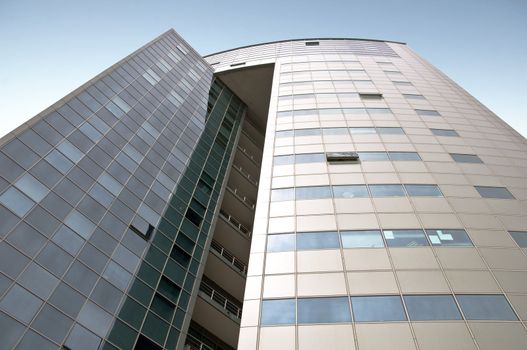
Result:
[236,224]
[246,174]
[229,257]
[249,155]
[192,343]
[221,300]
[241,197]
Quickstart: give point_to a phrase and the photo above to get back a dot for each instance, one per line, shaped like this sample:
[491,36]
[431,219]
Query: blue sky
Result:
[51,47]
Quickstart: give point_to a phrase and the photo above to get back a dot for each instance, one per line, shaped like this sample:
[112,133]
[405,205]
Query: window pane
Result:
[431,307]
[307,132]
[362,130]
[335,131]
[280,311]
[466,158]
[314,192]
[285,133]
[494,192]
[444,132]
[520,238]
[362,239]
[323,310]
[310,158]
[405,238]
[373,156]
[281,243]
[353,191]
[283,194]
[428,112]
[404,156]
[448,238]
[284,160]
[486,307]
[377,309]
[423,191]
[317,240]
[16,201]
[386,190]
[397,131]
[414,97]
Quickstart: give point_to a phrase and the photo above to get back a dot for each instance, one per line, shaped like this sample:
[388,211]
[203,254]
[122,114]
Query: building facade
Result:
[343,193]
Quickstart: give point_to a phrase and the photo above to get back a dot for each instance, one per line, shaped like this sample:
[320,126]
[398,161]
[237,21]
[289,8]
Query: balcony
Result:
[220,300]
[228,257]
[246,232]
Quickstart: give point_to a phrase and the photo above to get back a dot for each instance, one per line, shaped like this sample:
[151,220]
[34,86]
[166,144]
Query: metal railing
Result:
[241,197]
[229,257]
[235,223]
[246,174]
[230,307]
[249,155]
[192,343]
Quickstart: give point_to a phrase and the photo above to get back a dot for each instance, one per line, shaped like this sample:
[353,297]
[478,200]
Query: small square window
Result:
[405,238]
[444,132]
[317,240]
[494,192]
[451,238]
[279,311]
[324,310]
[427,112]
[336,157]
[281,243]
[465,158]
[366,96]
[362,239]
[377,308]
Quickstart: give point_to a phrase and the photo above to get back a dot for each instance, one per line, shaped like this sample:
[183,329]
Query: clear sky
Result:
[50,47]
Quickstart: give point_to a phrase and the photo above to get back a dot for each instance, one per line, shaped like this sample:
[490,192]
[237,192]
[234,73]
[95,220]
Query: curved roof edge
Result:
[303,39]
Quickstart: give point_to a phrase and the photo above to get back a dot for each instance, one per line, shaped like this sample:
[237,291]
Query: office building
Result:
[299,194]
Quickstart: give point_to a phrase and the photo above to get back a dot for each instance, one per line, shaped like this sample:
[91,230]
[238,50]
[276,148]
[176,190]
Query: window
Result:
[465,158]
[406,156]
[365,96]
[367,156]
[342,156]
[405,238]
[310,158]
[285,133]
[428,112]
[279,311]
[520,237]
[362,239]
[423,191]
[281,243]
[444,132]
[284,160]
[451,238]
[195,212]
[431,307]
[313,192]
[390,131]
[402,83]
[362,130]
[351,191]
[317,240]
[238,64]
[386,190]
[377,309]
[169,289]
[312,43]
[414,97]
[335,131]
[282,194]
[324,310]
[181,256]
[486,307]
[494,192]
[307,132]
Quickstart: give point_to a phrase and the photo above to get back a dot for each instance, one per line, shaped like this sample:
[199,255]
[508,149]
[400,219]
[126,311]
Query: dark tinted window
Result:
[323,310]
